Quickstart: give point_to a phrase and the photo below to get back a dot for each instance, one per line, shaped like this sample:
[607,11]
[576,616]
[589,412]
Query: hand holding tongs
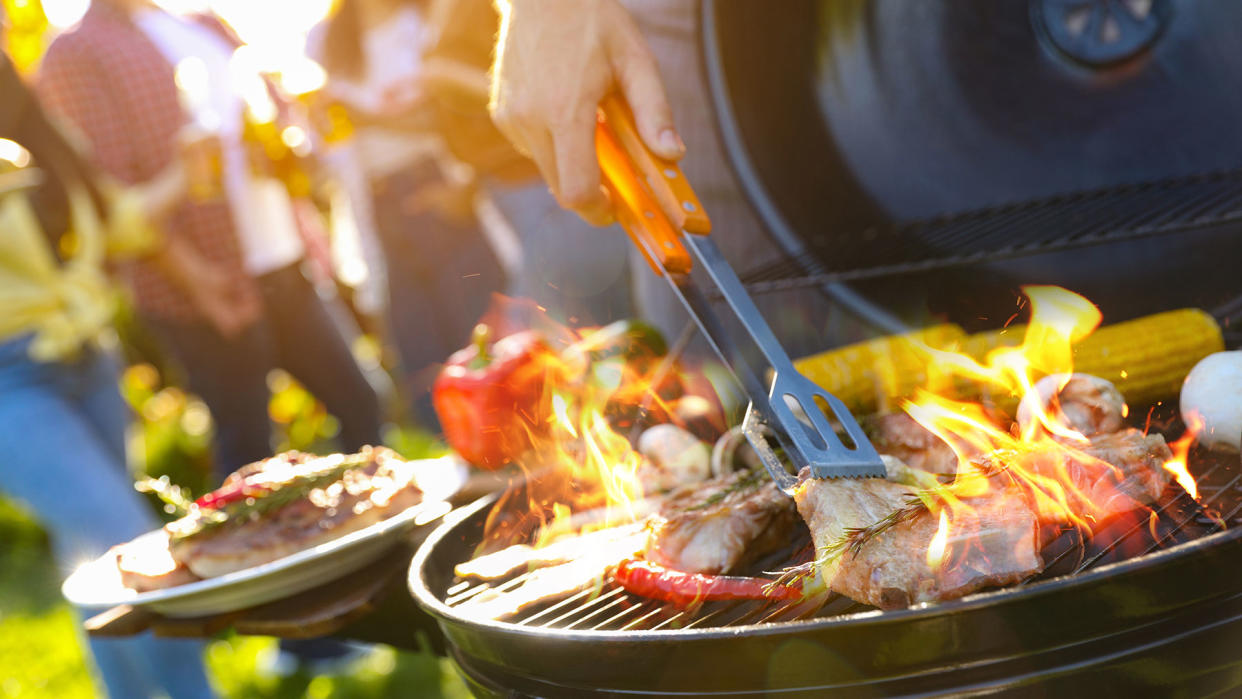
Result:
[664,218]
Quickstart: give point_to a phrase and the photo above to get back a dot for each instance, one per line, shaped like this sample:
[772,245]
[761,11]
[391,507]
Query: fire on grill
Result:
[989,464]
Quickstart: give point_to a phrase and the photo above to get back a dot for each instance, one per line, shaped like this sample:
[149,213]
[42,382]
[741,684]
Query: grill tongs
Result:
[663,216]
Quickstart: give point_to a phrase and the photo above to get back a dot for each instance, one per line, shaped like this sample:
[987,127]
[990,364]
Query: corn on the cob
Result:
[869,376]
[1147,359]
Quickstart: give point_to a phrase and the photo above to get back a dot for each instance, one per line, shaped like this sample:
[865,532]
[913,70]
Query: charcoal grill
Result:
[1112,170]
[1145,607]
[941,154]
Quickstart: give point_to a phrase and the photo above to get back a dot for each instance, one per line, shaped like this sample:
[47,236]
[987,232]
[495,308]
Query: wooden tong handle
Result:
[651,196]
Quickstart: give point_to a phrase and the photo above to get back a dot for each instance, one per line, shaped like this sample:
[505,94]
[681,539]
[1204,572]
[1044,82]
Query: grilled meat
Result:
[992,541]
[1111,474]
[719,525]
[146,564]
[274,508]
[899,435]
[872,536]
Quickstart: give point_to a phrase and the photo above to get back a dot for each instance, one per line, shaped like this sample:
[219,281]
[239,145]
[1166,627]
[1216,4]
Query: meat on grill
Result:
[1111,474]
[993,540]
[901,436]
[719,525]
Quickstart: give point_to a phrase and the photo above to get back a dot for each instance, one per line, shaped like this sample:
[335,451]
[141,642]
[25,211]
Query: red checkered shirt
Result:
[111,82]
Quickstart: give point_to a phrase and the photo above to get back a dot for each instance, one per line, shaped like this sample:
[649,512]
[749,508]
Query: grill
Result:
[1012,231]
[938,155]
[1037,192]
[1137,585]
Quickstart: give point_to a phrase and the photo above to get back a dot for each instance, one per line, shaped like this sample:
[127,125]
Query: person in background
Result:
[556,59]
[113,76]
[579,275]
[62,418]
[409,190]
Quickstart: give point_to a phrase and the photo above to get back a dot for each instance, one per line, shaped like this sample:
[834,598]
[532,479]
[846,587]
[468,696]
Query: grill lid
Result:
[883,137]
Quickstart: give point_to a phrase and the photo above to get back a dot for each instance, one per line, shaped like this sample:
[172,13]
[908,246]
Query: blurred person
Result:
[579,275]
[113,77]
[556,59]
[408,190]
[62,418]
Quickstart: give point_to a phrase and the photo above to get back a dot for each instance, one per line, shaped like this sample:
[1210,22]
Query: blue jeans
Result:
[62,434]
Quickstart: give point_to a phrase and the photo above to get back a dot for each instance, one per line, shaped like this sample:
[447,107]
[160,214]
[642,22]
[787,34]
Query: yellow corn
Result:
[1146,358]
[869,376]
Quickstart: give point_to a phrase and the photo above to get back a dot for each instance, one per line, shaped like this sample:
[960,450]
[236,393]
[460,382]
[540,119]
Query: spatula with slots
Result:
[654,203]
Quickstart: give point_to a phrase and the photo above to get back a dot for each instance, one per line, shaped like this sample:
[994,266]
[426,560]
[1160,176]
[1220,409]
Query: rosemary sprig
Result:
[750,481]
[175,499]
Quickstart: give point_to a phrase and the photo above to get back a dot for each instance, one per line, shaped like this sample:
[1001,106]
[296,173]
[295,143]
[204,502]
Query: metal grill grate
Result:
[1178,519]
[1011,231]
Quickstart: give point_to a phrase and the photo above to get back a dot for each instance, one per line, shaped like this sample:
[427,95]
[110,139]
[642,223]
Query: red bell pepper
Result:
[647,579]
[490,398]
[222,496]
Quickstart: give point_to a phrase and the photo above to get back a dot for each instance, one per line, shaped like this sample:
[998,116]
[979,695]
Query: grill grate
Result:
[1011,231]
[1178,519]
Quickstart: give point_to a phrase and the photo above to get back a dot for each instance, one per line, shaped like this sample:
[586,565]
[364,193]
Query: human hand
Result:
[555,61]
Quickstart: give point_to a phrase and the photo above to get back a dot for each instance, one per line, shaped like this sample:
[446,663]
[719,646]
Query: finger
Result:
[639,80]
[543,153]
[578,170]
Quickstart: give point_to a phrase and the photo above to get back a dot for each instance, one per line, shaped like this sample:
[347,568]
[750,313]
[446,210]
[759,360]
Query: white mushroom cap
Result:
[1212,395]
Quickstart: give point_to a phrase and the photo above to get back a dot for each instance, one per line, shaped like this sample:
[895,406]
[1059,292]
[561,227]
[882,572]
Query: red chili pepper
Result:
[647,579]
[491,399]
[222,496]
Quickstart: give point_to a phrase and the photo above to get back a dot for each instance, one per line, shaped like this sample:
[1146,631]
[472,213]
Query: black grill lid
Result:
[883,136]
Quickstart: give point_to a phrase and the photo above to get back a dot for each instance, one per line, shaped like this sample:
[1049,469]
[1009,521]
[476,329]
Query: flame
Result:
[935,552]
[1181,452]
[1044,456]
[583,473]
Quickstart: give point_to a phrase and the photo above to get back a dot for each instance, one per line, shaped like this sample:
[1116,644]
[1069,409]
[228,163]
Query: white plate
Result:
[98,584]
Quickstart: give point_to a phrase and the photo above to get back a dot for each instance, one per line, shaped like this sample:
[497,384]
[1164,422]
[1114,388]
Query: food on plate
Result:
[1212,397]
[1086,404]
[719,525]
[651,580]
[269,510]
[671,457]
[151,566]
[490,397]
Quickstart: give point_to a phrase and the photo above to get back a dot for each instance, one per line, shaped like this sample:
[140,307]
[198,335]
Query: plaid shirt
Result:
[111,82]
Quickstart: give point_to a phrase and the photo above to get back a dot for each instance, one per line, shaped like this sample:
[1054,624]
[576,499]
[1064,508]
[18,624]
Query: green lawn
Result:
[41,654]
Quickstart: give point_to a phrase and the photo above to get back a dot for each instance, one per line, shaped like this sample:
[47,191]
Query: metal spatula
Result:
[664,218]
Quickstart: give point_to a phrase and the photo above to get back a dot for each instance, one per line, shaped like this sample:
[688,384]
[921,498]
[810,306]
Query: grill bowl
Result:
[1169,619]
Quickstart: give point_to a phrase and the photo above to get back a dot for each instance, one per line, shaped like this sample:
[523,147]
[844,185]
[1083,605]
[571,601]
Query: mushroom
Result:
[672,456]
[1084,403]
[1212,396]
